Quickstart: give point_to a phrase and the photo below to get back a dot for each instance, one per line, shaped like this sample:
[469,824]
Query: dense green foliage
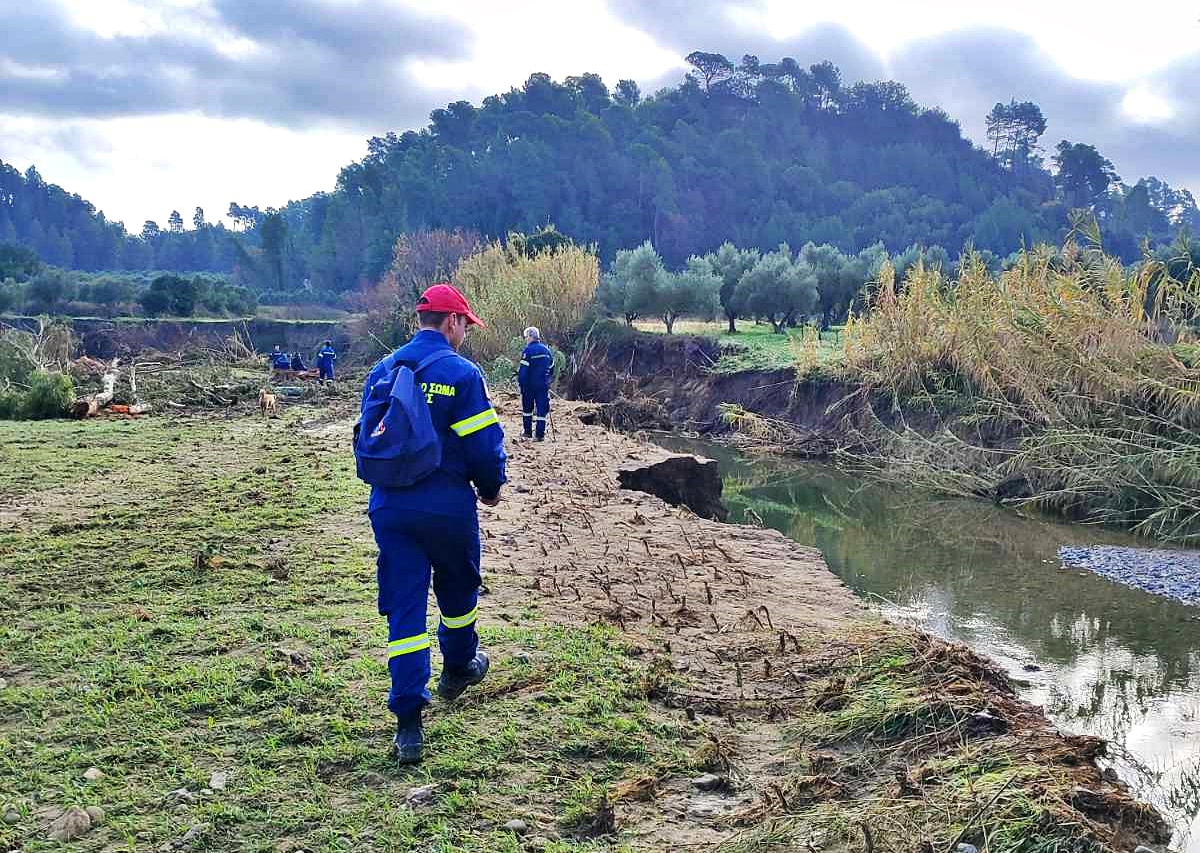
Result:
[50,395]
[51,290]
[754,153]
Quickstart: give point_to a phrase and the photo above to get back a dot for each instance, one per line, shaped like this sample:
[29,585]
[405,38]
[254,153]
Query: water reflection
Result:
[1099,657]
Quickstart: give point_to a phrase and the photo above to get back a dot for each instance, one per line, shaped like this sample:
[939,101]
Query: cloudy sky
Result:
[144,106]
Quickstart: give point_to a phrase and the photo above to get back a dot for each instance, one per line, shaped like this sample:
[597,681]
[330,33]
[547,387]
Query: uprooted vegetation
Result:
[42,375]
[905,742]
[33,381]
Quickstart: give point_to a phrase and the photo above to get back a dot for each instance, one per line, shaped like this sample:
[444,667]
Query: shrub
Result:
[1059,350]
[50,395]
[11,405]
[552,290]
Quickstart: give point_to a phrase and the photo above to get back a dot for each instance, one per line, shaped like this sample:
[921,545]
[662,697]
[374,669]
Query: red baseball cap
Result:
[445,299]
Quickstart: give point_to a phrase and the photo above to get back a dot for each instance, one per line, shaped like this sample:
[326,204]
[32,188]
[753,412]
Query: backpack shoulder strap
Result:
[431,358]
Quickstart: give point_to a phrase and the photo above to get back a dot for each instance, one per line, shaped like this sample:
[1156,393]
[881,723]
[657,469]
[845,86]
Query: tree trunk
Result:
[87,407]
[732,323]
[669,322]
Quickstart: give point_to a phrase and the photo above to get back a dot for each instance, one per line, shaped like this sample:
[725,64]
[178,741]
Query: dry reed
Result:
[1064,354]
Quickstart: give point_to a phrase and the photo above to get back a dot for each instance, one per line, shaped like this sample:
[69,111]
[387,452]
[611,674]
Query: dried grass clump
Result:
[509,290]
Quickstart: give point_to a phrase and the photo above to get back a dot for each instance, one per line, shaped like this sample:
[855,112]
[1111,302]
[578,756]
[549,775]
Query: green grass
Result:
[756,347]
[181,598]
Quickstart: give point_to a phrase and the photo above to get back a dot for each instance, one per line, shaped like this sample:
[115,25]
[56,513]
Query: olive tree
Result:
[730,263]
[631,288]
[694,291]
[779,287]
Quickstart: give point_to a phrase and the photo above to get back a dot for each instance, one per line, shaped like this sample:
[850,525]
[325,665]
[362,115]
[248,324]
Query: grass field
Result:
[760,348]
[187,598]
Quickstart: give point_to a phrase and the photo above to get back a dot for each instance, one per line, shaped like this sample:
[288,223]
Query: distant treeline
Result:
[755,153]
[27,286]
[751,152]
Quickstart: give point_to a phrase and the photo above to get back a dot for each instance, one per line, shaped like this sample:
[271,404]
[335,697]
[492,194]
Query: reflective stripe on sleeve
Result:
[407,645]
[475,423]
[524,363]
[460,621]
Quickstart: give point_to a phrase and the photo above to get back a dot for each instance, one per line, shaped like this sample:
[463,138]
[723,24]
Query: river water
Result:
[1099,657]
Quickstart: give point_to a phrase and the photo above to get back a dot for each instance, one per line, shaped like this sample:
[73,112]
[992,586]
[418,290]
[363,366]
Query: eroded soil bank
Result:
[660,382]
[186,598]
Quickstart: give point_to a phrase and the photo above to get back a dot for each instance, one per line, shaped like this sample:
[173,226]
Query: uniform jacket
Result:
[472,439]
[537,367]
[326,356]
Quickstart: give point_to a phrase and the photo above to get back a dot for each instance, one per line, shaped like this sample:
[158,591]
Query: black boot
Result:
[409,740]
[453,682]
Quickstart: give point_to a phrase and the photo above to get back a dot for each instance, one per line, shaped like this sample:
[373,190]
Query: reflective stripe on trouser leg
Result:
[541,404]
[456,581]
[408,645]
[463,621]
[403,572]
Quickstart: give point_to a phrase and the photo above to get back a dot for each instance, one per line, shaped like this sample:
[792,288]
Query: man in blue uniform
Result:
[325,359]
[534,375]
[279,359]
[432,527]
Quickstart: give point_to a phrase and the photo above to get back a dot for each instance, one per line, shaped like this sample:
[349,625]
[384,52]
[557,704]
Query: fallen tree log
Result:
[87,407]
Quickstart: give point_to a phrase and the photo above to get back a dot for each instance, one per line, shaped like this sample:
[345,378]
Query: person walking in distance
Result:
[326,356]
[534,376]
[429,527]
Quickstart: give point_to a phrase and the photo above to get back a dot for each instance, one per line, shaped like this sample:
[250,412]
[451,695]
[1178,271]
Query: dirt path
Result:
[716,600]
[713,601]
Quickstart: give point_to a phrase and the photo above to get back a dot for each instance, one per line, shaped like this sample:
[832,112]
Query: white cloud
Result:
[513,41]
[143,168]
[1101,42]
[310,113]
[1145,106]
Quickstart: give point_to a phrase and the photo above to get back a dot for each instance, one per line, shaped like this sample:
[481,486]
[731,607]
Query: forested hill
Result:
[756,153]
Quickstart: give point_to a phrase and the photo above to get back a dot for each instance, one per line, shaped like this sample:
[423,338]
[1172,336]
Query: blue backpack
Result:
[395,444]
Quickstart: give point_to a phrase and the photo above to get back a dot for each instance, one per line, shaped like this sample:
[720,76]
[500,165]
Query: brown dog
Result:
[267,403]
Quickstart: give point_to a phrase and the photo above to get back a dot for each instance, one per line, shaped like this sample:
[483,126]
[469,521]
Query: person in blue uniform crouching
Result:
[534,376]
[279,359]
[432,526]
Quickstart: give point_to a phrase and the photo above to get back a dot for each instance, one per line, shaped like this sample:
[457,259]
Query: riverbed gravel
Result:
[1173,574]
